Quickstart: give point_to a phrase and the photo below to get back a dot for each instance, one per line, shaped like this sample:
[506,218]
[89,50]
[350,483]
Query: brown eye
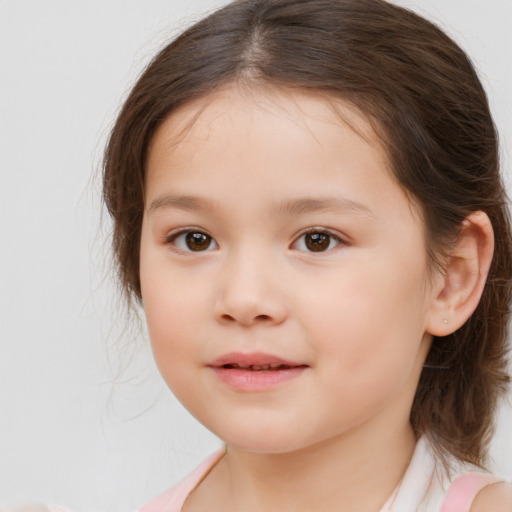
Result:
[317,242]
[192,241]
[198,241]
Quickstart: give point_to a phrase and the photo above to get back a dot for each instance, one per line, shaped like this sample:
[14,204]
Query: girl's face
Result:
[284,273]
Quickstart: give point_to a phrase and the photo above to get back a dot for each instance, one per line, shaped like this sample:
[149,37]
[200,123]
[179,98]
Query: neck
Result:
[356,471]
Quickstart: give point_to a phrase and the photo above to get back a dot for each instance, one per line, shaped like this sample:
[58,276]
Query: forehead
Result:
[194,119]
[237,134]
[301,124]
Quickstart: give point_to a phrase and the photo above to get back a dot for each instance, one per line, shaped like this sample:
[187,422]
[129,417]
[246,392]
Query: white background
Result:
[67,433]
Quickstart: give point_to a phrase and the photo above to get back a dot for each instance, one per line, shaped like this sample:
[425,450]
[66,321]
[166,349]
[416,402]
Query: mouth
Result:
[257,362]
[258,367]
[255,372]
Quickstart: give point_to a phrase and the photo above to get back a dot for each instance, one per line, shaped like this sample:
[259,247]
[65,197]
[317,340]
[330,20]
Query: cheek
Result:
[170,317]
[169,325]
[168,293]
[372,315]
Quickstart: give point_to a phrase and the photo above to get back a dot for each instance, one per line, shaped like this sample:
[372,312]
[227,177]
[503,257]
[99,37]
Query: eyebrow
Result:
[332,204]
[329,204]
[187,203]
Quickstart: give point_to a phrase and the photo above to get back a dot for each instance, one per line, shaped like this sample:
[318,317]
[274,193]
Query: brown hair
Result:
[426,102]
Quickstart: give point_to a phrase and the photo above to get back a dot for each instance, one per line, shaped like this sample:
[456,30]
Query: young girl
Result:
[307,205]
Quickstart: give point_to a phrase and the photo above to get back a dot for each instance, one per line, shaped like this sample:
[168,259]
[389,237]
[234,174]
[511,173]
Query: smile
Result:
[255,372]
[257,367]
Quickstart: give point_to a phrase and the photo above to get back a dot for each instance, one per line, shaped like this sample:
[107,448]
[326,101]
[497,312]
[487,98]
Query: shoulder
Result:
[494,498]
[173,499]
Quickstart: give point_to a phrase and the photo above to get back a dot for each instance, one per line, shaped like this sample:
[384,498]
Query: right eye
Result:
[192,241]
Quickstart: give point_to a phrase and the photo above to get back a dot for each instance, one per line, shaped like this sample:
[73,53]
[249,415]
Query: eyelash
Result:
[173,237]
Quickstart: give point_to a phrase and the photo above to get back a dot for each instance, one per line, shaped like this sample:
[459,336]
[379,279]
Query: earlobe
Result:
[460,287]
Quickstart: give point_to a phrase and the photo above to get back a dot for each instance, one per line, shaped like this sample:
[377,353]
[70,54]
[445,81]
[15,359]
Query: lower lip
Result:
[254,381]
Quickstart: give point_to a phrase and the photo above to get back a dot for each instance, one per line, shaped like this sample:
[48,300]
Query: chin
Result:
[260,439]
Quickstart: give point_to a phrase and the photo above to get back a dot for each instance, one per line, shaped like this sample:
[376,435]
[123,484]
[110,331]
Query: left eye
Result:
[193,241]
[316,241]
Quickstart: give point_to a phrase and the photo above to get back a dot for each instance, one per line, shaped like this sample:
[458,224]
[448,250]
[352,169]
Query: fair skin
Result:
[358,314]
[272,227]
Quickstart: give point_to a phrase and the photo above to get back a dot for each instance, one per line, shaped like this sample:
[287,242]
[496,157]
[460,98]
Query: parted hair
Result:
[427,105]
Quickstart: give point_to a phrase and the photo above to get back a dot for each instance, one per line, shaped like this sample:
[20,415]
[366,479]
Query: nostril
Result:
[262,318]
[248,311]
[257,319]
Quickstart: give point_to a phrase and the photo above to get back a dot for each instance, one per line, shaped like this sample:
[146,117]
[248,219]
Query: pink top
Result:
[464,489]
[425,487]
[173,499]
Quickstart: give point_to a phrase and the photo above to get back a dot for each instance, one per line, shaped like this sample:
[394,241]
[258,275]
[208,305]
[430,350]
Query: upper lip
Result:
[252,359]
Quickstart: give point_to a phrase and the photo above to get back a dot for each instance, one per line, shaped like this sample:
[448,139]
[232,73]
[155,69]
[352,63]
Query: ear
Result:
[457,292]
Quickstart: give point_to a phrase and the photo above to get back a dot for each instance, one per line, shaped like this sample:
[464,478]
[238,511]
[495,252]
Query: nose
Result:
[250,292]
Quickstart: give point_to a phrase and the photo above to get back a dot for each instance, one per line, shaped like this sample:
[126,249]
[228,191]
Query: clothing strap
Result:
[464,489]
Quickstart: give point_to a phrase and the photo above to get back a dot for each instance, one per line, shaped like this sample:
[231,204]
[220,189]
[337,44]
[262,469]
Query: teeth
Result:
[258,367]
